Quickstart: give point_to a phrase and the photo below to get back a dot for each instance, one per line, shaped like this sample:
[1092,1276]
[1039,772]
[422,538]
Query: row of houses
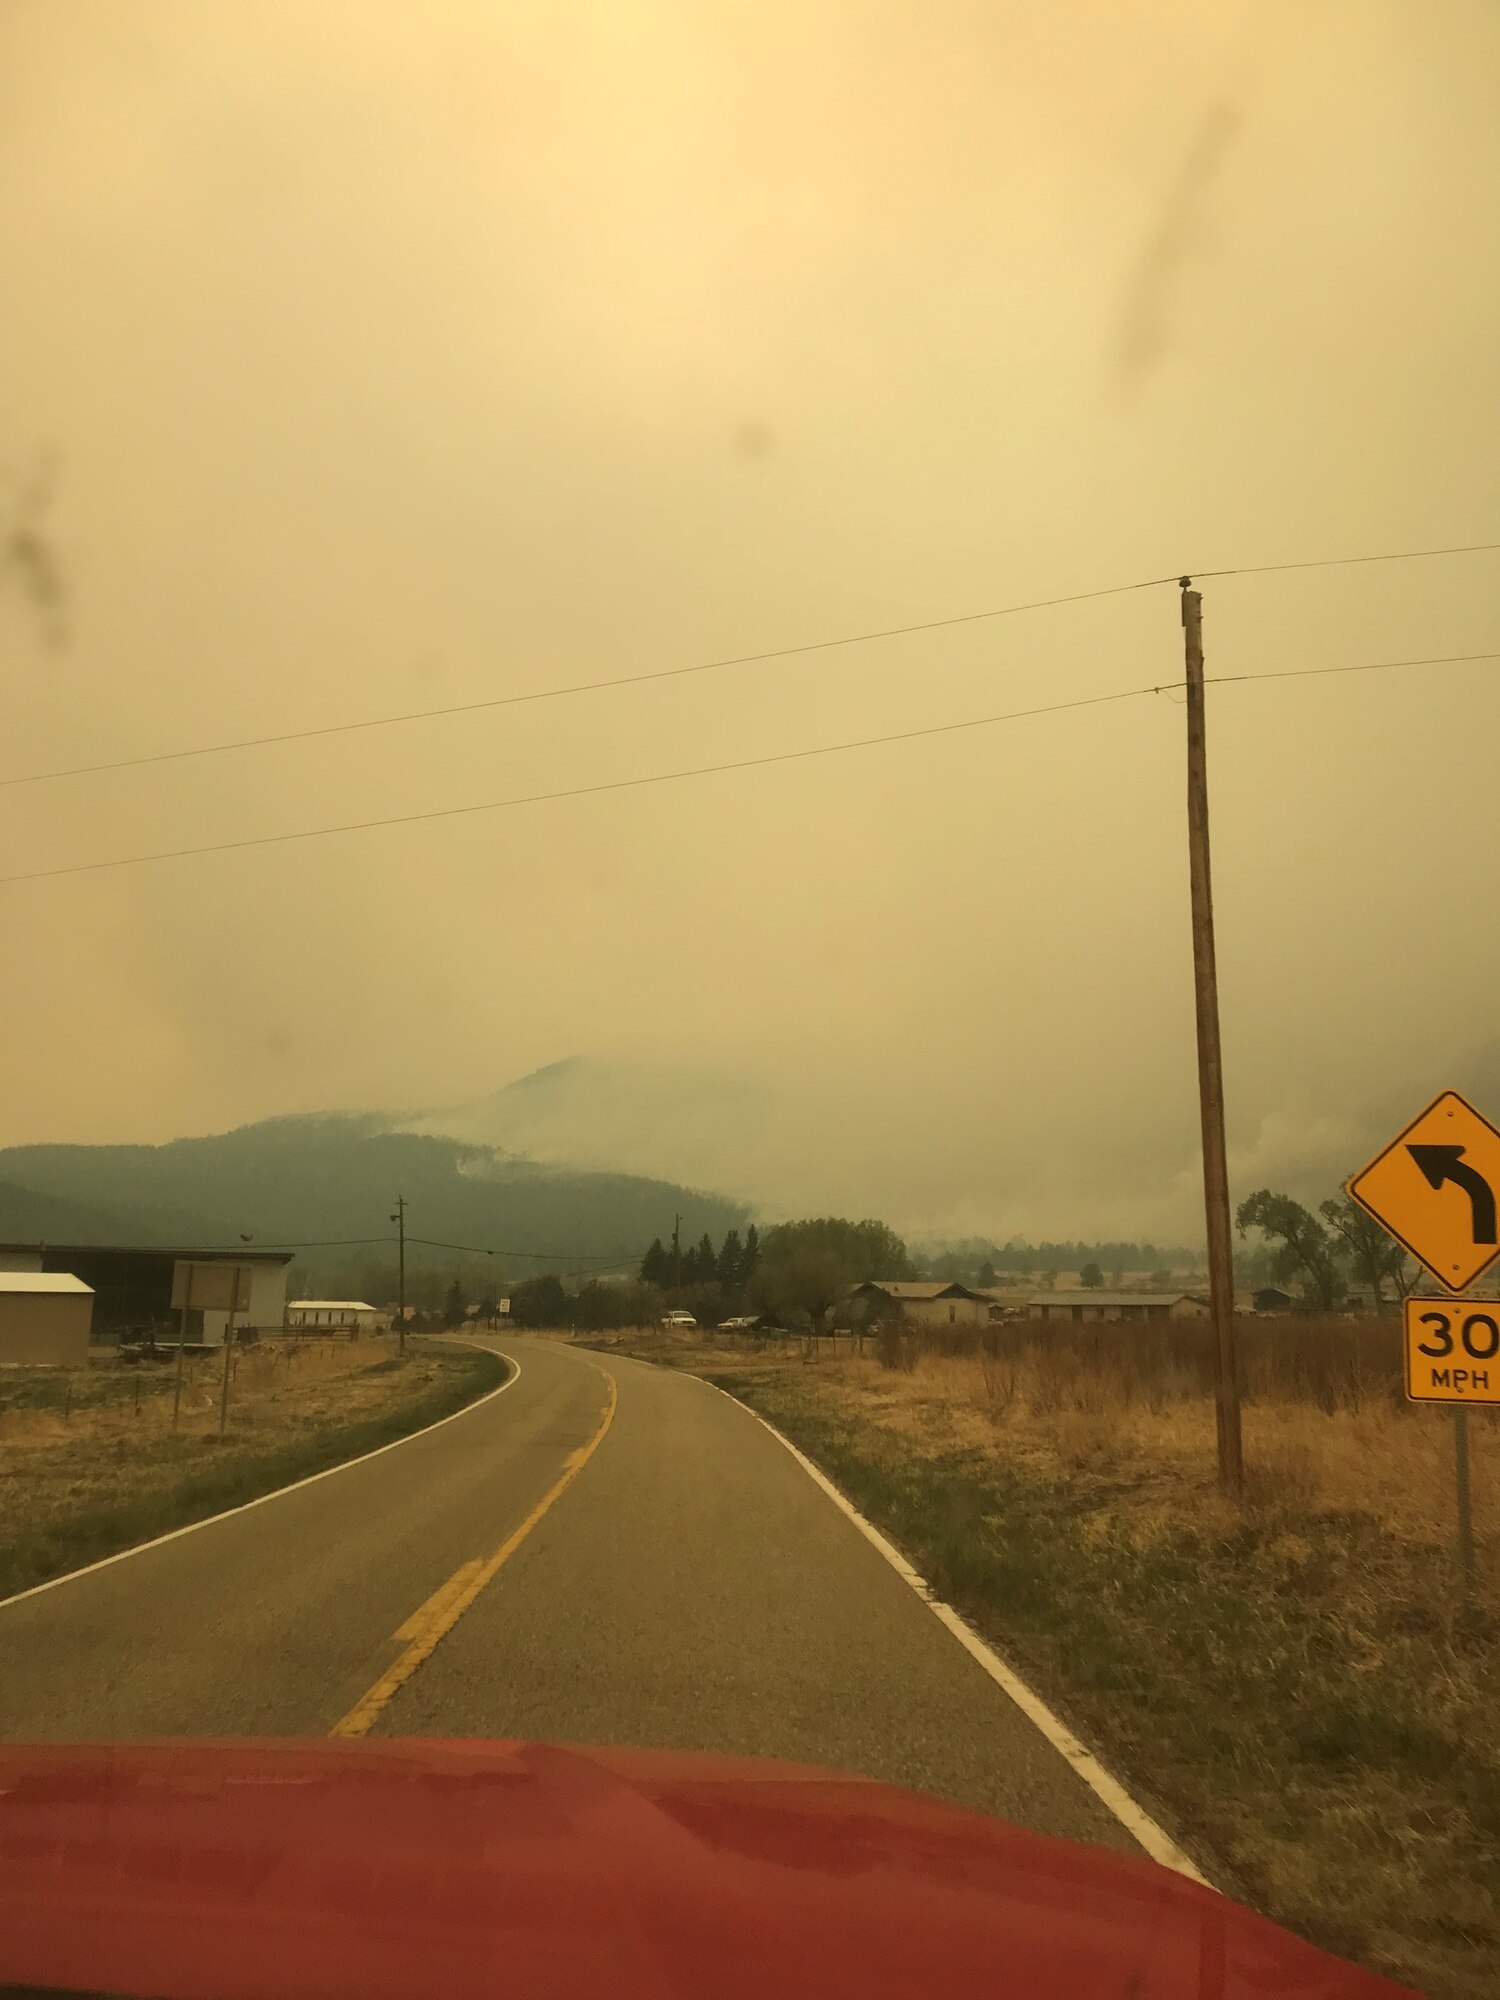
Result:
[58,1300]
[934,1304]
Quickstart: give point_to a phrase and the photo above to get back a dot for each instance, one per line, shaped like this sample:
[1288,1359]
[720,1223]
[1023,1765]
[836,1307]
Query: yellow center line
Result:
[439,1601]
[442,1611]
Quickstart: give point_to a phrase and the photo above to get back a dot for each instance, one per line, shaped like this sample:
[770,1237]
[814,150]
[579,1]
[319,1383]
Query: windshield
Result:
[747,824]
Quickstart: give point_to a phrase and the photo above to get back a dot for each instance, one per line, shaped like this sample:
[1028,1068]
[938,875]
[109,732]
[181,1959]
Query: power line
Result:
[712,770]
[708,666]
[253,1248]
[1359,667]
[570,792]
[578,687]
[1340,562]
[544,1256]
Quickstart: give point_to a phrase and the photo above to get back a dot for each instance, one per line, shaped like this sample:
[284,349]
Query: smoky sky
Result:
[385,358]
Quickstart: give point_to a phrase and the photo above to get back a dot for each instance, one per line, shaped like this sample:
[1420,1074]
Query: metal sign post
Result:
[1452,1355]
[1465,1519]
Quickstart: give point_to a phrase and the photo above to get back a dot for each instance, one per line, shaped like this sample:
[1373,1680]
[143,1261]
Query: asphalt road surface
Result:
[690,1589]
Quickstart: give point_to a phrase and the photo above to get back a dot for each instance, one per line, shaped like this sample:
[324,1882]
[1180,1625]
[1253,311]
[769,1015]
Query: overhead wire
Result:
[1341,562]
[568,792]
[273,738]
[577,687]
[1355,667]
[251,1247]
[713,770]
[546,1256]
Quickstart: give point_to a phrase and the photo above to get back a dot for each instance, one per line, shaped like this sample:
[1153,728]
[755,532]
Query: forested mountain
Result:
[332,1181]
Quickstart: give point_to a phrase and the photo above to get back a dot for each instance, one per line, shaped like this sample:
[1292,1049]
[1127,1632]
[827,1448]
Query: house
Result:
[1092,1305]
[1270,1300]
[132,1287]
[333,1315]
[926,1304]
[45,1318]
[1004,1302]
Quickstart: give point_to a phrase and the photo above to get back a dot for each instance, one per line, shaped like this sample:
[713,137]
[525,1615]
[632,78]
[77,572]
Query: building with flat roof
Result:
[132,1286]
[45,1318]
[331,1315]
[1091,1305]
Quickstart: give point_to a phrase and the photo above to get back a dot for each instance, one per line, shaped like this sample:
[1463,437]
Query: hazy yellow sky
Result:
[393,356]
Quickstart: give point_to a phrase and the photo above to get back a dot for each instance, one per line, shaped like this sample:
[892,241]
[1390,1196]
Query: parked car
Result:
[741,1323]
[678,1319]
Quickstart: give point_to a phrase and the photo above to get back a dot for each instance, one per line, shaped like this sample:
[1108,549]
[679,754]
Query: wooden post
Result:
[224,1392]
[181,1349]
[1210,1061]
[399,1218]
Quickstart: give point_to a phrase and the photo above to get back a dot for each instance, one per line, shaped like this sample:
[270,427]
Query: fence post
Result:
[224,1392]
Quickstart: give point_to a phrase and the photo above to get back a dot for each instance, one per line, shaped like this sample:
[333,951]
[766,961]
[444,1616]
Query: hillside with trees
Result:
[329,1183]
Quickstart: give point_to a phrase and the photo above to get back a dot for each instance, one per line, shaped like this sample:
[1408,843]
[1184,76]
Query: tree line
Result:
[980,1263]
[730,1267]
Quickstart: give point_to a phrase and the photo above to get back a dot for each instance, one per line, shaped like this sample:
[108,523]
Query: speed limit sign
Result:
[1452,1350]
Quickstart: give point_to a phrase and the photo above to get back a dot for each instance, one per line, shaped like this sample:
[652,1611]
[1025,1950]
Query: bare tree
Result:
[1373,1255]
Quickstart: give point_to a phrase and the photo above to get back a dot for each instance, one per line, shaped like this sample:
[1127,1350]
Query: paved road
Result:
[692,1589]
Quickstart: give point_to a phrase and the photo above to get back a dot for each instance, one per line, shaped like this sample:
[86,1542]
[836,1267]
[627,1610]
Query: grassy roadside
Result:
[85,1470]
[1290,1686]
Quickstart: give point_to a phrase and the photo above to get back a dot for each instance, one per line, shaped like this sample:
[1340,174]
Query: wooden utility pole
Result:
[677,1260]
[1210,1060]
[399,1218]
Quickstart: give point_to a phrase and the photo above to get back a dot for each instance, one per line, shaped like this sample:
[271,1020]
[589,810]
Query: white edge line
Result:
[276,1492]
[1156,1841]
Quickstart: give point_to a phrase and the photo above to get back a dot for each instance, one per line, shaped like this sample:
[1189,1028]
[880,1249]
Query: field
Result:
[90,1461]
[1295,1685]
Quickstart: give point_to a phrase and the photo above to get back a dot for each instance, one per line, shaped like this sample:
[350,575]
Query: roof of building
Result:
[330,1305]
[245,1255]
[42,1281]
[1080,1297]
[902,1288]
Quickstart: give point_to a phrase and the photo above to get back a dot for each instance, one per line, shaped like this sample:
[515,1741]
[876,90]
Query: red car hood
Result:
[391,1869]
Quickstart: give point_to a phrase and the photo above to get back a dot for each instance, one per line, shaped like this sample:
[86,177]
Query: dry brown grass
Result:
[1390,1462]
[84,1471]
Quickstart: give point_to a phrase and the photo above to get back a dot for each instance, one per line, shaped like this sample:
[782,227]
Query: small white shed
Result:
[46,1318]
[331,1315]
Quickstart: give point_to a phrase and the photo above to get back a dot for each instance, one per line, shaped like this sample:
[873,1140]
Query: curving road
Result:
[637,1564]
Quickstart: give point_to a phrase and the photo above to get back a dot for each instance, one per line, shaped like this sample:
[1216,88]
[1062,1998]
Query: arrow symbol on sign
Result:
[1447,1163]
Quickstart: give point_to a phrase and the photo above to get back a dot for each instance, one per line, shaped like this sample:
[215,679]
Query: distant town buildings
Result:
[132,1287]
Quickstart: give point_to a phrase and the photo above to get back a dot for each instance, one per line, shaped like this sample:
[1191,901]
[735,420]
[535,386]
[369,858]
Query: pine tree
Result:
[731,1259]
[656,1265]
[706,1260]
[751,1259]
